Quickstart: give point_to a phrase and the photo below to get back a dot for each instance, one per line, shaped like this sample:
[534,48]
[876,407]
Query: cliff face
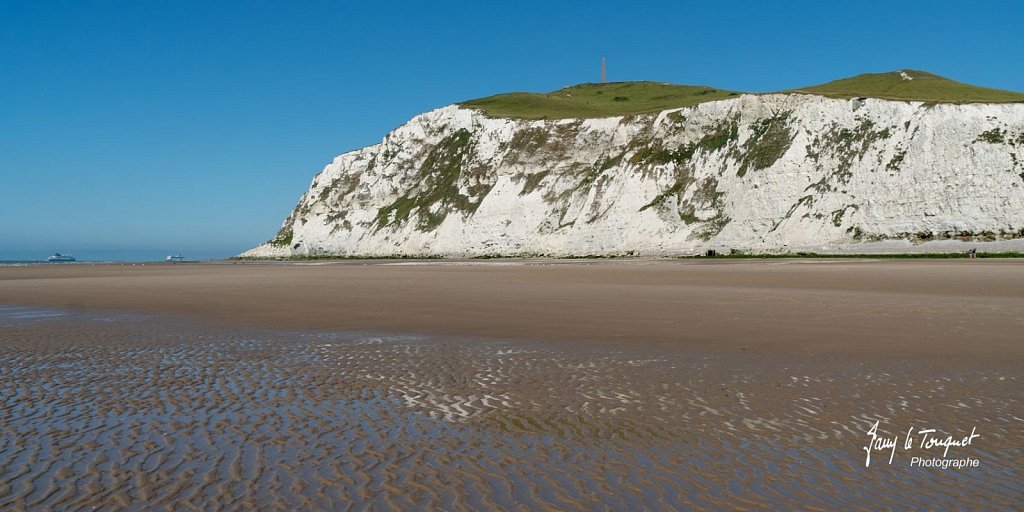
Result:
[757,173]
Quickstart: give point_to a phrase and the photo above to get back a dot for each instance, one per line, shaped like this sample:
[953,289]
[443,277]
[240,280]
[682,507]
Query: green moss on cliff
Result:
[675,191]
[993,136]
[896,161]
[847,146]
[707,197]
[532,181]
[654,153]
[720,135]
[770,138]
[437,194]
[283,238]
[339,187]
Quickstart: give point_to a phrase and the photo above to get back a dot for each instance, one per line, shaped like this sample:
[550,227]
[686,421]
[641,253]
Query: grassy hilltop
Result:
[597,100]
[625,98]
[921,86]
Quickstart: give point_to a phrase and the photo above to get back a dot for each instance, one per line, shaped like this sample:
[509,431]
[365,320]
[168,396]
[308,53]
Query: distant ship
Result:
[177,258]
[61,257]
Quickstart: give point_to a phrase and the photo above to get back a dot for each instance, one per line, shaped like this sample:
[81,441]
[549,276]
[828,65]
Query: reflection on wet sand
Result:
[149,413]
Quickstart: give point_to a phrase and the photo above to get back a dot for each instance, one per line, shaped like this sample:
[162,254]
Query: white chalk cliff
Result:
[755,173]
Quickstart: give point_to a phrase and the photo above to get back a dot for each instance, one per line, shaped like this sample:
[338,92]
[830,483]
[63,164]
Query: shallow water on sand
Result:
[144,413]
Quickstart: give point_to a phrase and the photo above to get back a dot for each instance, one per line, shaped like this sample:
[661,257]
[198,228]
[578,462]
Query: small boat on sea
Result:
[58,257]
[177,258]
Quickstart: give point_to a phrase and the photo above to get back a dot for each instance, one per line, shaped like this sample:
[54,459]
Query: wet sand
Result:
[612,385]
[894,308]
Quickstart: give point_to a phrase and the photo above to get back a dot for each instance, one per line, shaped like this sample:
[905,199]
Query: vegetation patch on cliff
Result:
[897,160]
[283,238]
[837,215]
[673,192]
[340,187]
[689,200]
[769,139]
[553,141]
[438,191]
[707,197]
[715,138]
[993,136]
[720,135]
[526,143]
[846,146]
[963,236]
[652,152]
[531,181]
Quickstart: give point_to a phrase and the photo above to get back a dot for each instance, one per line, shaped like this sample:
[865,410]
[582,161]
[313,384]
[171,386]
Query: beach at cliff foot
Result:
[707,385]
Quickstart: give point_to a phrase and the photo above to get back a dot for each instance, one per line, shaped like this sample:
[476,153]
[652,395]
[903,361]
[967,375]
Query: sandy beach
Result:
[872,308]
[571,385]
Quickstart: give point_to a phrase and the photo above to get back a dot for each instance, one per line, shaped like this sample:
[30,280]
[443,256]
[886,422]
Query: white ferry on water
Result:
[58,257]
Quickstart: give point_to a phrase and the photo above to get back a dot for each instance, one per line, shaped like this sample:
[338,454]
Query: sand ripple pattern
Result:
[130,413]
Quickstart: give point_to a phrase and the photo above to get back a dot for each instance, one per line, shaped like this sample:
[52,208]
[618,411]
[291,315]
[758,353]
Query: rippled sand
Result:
[147,413]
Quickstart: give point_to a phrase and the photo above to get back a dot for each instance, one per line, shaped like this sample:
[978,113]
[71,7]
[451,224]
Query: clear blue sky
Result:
[133,129]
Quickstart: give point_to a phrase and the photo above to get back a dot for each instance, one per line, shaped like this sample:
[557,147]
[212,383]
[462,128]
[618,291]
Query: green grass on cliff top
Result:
[922,86]
[597,100]
[624,98]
